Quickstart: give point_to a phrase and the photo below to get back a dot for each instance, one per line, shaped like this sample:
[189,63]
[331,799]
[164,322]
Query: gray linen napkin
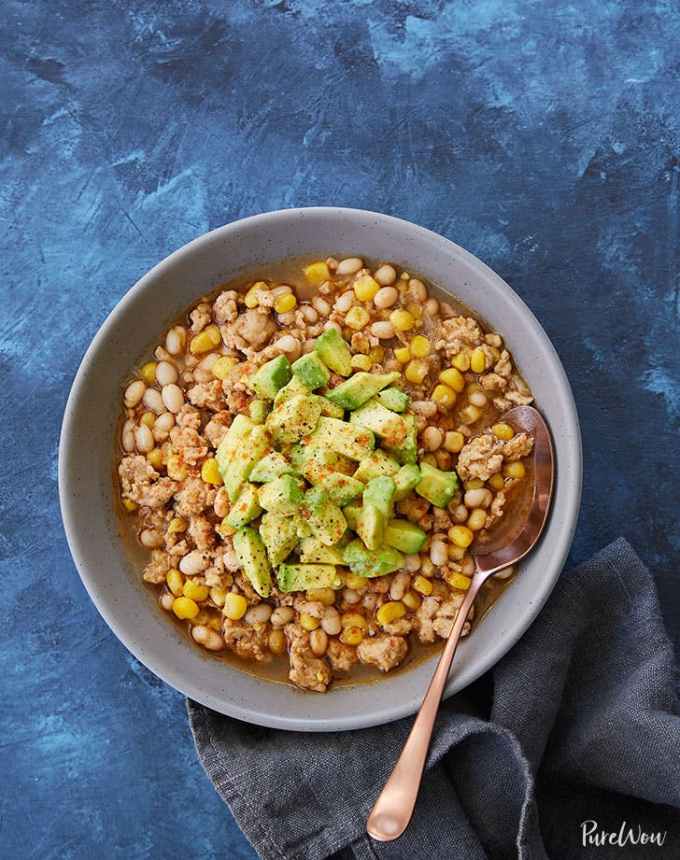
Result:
[580,722]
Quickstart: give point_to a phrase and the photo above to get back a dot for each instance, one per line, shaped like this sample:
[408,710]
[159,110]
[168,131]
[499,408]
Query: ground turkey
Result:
[385,652]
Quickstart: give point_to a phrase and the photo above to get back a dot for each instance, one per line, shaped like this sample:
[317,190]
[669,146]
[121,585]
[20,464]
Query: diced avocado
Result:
[331,409]
[294,387]
[301,577]
[352,513]
[280,535]
[405,480]
[258,411]
[380,492]
[334,352]
[436,486]
[341,488]
[404,536]
[252,557]
[394,399]
[370,526]
[359,388]
[354,442]
[272,466]
[271,377]
[377,463]
[245,508]
[317,463]
[312,551]
[243,462]
[366,562]
[282,495]
[407,450]
[311,371]
[234,439]
[391,427]
[325,519]
[293,419]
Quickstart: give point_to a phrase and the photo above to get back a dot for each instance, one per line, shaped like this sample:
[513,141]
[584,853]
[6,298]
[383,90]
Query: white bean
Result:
[468,567]
[282,616]
[152,400]
[460,513]
[318,641]
[321,306]
[431,307]
[166,600]
[193,563]
[144,439]
[175,339]
[309,313]
[480,498]
[349,266]
[385,275]
[166,373]
[385,298]
[288,345]
[208,638]
[308,345]
[281,290]
[424,407]
[412,563]
[134,393]
[432,438]
[351,596]
[208,362]
[150,538]
[331,621]
[332,324]
[344,302]
[173,398]
[128,436]
[259,614]
[478,398]
[383,330]
[417,290]
[438,553]
[399,585]
[163,426]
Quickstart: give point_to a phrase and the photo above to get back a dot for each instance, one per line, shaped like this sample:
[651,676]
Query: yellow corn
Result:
[402,354]
[210,472]
[478,360]
[411,600]
[129,505]
[218,595]
[195,591]
[215,624]
[424,586]
[402,320]
[454,441]
[208,339]
[470,414]
[323,595]
[462,362]
[455,553]
[477,520]
[175,468]
[223,366]
[177,524]
[377,354]
[453,378]
[352,635]
[356,582]
[185,607]
[148,372]
[496,481]
[285,303]
[357,317]
[459,581]
[149,419]
[361,362]
[277,641]
[416,311]
[317,273]
[515,470]
[353,619]
[474,484]
[365,288]
[235,606]
[155,457]
[430,459]
[420,346]
[444,396]
[461,536]
[251,299]
[503,431]
[389,612]
[309,622]
[416,371]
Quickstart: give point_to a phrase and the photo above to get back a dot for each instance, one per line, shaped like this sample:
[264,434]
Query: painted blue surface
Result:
[542,136]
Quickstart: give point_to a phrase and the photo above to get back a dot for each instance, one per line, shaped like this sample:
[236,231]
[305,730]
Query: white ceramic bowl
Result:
[86,460]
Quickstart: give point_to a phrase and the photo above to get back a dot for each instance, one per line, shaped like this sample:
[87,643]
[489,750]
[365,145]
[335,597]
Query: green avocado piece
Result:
[312,551]
[391,427]
[301,577]
[334,352]
[325,518]
[271,466]
[352,513]
[377,463]
[405,480]
[271,377]
[258,411]
[280,535]
[407,450]
[294,388]
[318,462]
[293,419]
[370,526]
[331,409]
[311,371]
[341,488]
[404,536]
[394,399]
[370,563]
[252,556]
[282,495]
[436,486]
[359,388]
[380,493]
[245,508]
[243,462]
[341,437]
[234,439]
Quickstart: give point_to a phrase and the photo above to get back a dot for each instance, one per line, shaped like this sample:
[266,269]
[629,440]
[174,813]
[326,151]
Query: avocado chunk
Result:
[352,513]
[282,495]
[391,427]
[341,488]
[334,352]
[245,508]
[394,399]
[257,410]
[405,480]
[301,577]
[405,536]
[252,557]
[280,535]
[316,462]
[354,442]
[370,526]
[359,388]
[332,410]
[311,371]
[376,511]
[325,519]
[271,377]
[294,387]
[234,439]
[377,463]
[380,493]
[436,486]
[312,551]
[293,419]
[270,467]
[407,450]
[370,563]
[243,462]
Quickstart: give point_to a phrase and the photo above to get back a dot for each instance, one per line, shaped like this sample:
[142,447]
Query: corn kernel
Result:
[224,529]
[155,458]
[377,354]
[148,419]
[251,298]
[424,586]
[235,606]
[416,311]
[317,273]
[474,484]
[309,622]
[195,591]
[129,505]
[496,481]
[411,600]
[352,635]
[208,339]
[470,414]
[420,346]
[214,624]
[353,619]
[444,396]
[462,362]
[515,470]
[185,607]
[285,303]
[453,378]
[503,431]
[402,354]
[402,320]
[222,367]
[478,360]
[323,595]
[148,372]
[361,362]
[210,472]
[357,317]
[175,581]
[461,536]
[416,371]
[459,581]
[454,441]
[430,459]
[365,288]
[176,525]
[476,520]
[455,553]
[390,611]
[218,595]
[277,641]
[175,468]
[357,583]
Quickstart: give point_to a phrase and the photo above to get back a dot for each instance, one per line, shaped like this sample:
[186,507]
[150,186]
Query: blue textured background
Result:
[544,137]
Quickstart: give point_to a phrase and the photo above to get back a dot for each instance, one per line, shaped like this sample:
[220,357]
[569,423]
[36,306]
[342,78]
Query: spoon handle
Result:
[392,811]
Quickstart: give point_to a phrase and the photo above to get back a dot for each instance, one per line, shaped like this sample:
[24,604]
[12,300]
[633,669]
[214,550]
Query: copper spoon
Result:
[393,809]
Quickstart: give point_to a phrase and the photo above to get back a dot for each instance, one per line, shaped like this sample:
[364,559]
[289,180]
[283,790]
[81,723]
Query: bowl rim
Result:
[388,712]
